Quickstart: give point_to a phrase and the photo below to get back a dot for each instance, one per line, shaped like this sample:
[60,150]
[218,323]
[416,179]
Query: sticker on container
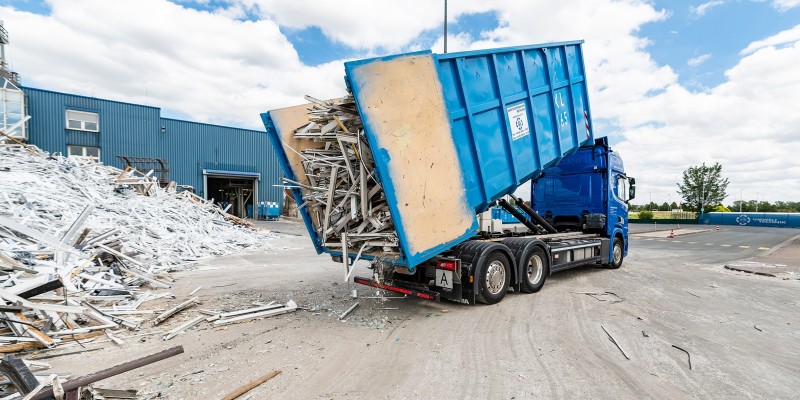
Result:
[518,120]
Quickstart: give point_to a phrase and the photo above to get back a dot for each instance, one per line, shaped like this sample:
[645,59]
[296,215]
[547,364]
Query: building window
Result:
[84,151]
[83,121]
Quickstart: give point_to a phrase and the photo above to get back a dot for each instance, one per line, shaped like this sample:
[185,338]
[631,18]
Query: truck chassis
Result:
[484,269]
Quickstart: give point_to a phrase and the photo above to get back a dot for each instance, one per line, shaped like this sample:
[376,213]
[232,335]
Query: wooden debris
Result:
[342,193]
[251,385]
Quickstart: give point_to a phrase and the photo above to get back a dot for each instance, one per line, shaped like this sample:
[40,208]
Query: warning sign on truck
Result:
[518,120]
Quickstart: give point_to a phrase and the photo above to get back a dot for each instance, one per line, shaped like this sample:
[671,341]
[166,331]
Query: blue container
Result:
[505,216]
[451,133]
[261,211]
[273,210]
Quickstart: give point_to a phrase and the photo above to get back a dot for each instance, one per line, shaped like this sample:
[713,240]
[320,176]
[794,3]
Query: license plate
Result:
[444,278]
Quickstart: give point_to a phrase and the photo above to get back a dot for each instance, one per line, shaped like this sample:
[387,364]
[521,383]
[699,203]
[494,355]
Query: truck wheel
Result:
[494,278]
[534,270]
[617,252]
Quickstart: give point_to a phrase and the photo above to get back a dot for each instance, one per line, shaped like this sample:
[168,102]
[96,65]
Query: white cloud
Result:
[211,66]
[364,24]
[695,61]
[784,5]
[702,9]
[205,65]
[746,124]
[785,37]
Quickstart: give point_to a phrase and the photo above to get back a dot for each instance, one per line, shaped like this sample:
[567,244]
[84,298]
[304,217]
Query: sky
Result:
[671,83]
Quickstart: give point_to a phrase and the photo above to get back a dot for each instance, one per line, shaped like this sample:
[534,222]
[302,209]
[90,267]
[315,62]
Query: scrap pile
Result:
[343,195]
[83,244]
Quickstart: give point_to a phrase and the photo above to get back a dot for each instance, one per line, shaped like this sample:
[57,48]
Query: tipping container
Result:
[452,133]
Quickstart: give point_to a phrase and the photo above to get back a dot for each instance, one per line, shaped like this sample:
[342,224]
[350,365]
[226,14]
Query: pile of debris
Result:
[343,195]
[84,245]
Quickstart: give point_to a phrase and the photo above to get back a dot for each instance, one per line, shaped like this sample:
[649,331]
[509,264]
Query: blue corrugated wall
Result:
[136,130]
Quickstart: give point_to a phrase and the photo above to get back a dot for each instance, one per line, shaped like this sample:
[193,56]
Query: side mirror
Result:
[632,190]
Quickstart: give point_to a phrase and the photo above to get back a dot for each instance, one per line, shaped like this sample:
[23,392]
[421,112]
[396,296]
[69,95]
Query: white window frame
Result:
[83,151]
[83,122]
[6,120]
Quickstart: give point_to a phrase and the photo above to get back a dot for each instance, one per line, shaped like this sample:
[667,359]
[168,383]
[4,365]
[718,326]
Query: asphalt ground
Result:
[742,331]
[730,243]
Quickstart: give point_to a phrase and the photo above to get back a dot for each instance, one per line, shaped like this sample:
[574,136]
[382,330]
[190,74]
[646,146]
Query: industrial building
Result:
[233,166]
[230,165]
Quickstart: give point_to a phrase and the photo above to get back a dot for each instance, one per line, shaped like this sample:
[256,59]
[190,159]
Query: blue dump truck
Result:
[445,137]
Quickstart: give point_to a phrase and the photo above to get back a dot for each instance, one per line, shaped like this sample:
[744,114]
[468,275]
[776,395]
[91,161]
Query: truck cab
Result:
[588,192]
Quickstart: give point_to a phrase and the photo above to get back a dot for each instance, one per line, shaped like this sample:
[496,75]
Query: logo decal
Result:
[743,219]
[518,121]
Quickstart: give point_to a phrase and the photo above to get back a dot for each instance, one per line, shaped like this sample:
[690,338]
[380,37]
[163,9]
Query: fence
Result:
[781,220]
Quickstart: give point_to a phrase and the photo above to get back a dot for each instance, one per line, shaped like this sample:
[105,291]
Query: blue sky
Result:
[720,33]
[668,81]
[723,31]
[716,37]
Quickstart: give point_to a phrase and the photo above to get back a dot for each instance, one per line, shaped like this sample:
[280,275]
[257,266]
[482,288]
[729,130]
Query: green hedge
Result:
[664,221]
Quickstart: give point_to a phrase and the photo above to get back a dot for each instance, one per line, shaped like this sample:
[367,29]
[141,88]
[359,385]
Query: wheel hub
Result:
[535,267]
[617,254]
[495,277]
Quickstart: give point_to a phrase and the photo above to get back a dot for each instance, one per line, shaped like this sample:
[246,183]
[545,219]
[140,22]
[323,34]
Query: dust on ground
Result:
[741,331]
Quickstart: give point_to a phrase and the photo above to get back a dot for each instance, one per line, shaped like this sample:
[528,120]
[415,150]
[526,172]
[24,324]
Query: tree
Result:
[703,185]
[673,206]
[765,206]
[664,207]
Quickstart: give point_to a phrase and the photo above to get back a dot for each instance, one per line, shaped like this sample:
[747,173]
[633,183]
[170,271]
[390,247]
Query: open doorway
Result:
[233,190]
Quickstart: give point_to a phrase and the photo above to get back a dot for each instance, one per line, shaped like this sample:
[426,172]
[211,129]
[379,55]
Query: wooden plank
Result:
[45,340]
[13,348]
[251,385]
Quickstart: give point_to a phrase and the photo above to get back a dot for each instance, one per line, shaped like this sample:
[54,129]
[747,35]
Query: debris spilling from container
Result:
[343,193]
[85,248]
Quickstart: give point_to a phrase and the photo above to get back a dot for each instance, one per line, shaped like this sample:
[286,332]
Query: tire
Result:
[617,254]
[535,268]
[494,278]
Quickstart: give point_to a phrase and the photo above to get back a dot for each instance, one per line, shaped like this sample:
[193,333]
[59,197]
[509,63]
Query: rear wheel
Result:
[617,252]
[494,278]
[535,270]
